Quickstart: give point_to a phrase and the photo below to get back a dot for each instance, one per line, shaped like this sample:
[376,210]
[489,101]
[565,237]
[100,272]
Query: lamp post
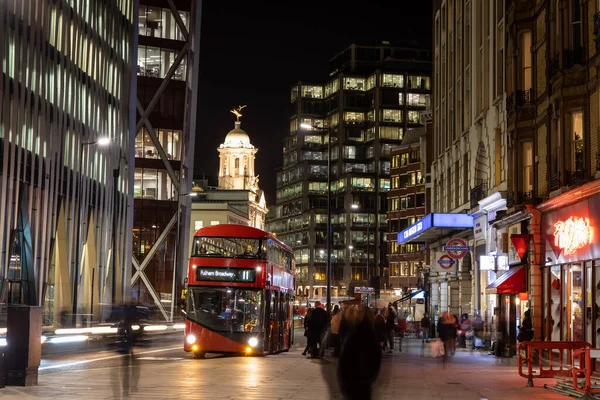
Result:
[102,141]
[356,207]
[113,280]
[176,255]
[328,268]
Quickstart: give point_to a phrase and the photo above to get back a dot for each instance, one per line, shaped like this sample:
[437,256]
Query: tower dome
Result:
[237,136]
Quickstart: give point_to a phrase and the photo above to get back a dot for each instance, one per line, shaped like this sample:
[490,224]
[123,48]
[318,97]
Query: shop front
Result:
[510,290]
[571,274]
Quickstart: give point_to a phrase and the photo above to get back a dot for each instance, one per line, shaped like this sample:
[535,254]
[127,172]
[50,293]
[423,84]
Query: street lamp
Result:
[176,264]
[101,141]
[328,269]
[116,174]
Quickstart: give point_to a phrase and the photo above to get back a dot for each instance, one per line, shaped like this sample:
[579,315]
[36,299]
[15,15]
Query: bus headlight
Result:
[191,339]
[253,342]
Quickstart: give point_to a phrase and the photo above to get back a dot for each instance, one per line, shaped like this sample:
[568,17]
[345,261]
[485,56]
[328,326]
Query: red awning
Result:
[512,281]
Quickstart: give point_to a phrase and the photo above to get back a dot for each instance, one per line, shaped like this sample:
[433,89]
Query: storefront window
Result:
[555,303]
[576,282]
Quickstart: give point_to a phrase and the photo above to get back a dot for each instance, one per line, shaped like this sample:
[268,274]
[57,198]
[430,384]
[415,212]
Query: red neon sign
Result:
[573,234]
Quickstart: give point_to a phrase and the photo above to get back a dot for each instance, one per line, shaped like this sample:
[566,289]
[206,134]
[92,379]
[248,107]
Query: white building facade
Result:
[469,143]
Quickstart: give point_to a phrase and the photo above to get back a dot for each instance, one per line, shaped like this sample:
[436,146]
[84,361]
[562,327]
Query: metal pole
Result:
[113,288]
[92,299]
[328,271]
[175,257]
[78,240]
[368,251]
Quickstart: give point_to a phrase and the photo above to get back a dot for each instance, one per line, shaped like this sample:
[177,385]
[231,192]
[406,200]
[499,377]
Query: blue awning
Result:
[435,225]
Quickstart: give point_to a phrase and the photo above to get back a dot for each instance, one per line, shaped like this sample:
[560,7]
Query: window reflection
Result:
[154,62]
[160,23]
[153,184]
[169,140]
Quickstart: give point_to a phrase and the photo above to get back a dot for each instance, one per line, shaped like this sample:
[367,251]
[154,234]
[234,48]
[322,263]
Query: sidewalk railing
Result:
[532,358]
[586,368]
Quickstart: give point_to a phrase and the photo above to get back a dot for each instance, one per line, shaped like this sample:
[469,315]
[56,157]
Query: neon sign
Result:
[573,234]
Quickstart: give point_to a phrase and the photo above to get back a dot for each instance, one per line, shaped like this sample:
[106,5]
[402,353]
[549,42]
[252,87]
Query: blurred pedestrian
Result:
[306,319]
[390,323]
[446,332]
[360,358]
[526,328]
[335,330]
[381,330]
[425,325]
[316,327]
[465,327]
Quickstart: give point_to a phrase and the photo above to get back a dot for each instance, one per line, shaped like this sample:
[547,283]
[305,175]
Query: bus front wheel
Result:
[199,354]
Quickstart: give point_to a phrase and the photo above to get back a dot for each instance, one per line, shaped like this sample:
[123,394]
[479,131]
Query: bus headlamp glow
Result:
[190,339]
[253,342]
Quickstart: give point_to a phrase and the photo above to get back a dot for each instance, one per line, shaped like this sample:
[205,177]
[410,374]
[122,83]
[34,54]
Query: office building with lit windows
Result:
[406,204]
[373,94]
[167,73]
[66,117]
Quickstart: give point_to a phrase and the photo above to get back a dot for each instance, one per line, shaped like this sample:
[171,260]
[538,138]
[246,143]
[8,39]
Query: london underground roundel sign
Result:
[446,262]
[456,248]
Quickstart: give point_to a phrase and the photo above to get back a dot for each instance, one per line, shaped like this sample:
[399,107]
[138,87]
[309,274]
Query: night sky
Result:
[253,52]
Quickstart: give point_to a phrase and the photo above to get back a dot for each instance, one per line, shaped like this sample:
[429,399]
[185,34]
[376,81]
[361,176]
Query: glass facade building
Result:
[168,43]
[374,93]
[66,82]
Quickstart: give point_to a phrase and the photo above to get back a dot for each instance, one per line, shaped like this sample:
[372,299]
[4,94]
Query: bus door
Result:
[281,321]
[272,331]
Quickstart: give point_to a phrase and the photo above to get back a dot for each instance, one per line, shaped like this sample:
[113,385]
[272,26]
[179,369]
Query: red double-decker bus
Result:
[240,292]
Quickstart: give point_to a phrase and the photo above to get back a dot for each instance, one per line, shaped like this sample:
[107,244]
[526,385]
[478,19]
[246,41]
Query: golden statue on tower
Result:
[237,112]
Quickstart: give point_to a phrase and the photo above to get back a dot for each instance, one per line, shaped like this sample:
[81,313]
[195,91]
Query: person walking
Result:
[316,326]
[425,325]
[360,358]
[446,331]
[526,328]
[306,320]
[390,324]
[335,330]
[381,330]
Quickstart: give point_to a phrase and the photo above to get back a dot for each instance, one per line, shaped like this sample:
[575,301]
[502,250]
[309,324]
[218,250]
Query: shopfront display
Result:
[572,271]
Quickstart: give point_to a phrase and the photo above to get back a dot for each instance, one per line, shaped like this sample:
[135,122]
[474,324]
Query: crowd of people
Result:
[359,337]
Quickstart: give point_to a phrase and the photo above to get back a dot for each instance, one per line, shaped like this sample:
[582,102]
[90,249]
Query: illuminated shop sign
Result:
[436,220]
[573,234]
[225,275]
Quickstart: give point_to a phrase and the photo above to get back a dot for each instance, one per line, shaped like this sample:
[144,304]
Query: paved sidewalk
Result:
[411,374]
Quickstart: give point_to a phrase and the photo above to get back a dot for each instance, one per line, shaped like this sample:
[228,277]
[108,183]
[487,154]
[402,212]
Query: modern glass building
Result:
[374,93]
[65,89]
[167,72]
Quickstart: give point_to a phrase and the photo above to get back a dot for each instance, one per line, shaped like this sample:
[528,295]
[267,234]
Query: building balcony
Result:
[552,68]
[573,57]
[554,182]
[517,198]
[597,30]
[479,192]
[576,178]
[524,97]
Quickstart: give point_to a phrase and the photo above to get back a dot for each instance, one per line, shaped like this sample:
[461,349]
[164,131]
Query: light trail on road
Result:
[74,363]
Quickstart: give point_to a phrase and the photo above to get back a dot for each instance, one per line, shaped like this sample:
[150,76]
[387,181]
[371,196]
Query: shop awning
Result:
[511,282]
[435,225]
[407,297]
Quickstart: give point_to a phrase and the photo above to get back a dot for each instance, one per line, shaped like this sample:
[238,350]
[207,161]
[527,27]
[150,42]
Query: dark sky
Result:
[252,52]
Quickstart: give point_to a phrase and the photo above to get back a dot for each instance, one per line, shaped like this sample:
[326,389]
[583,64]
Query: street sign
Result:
[456,248]
[364,289]
[446,262]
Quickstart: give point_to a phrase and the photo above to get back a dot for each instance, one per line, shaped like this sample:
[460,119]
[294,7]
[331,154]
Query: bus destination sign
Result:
[225,274]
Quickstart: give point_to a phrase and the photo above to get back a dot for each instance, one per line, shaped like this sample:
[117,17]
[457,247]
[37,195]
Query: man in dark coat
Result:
[316,326]
[360,358]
